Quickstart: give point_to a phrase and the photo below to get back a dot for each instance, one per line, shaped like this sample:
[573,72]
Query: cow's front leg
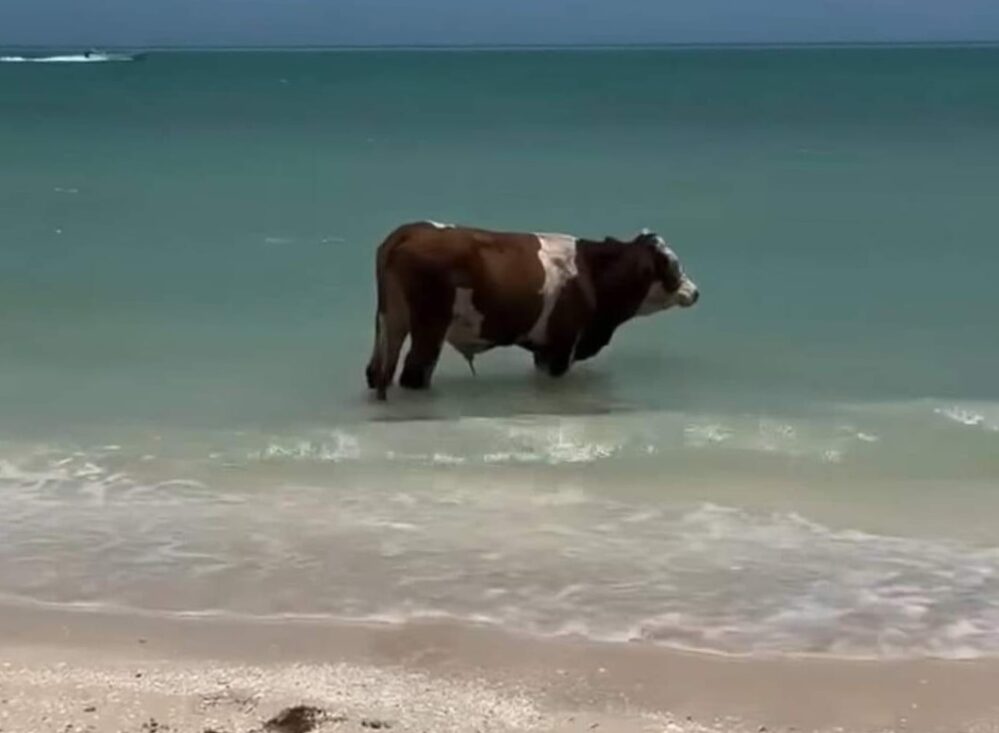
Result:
[555,357]
[540,360]
[560,362]
[552,360]
[594,338]
[565,327]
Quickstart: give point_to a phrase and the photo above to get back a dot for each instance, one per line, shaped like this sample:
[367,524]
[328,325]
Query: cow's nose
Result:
[695,296]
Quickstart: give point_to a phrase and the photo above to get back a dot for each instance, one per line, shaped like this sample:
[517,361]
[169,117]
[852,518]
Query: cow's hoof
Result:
[557,371]
[414,378]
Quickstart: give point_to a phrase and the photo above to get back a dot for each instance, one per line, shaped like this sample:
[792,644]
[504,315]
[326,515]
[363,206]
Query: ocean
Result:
[807,462]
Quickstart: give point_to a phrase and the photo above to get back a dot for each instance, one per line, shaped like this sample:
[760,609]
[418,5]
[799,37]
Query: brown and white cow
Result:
[555,295]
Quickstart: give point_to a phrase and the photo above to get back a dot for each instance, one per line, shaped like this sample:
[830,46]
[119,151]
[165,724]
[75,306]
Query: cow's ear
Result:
[647,236]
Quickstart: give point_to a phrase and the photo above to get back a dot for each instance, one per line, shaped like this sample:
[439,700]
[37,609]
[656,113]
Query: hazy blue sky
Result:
[490,21]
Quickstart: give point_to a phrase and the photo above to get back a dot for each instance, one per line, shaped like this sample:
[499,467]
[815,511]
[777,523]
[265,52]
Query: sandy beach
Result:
[98,671]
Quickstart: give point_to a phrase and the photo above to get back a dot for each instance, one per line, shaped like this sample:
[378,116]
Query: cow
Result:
[555,295]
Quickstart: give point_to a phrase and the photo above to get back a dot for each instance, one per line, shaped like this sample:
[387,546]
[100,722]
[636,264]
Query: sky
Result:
[489,22]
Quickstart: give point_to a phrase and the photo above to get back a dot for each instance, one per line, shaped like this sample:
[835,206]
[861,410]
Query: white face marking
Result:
[558,260]
[438,225]
[464,333]
[657,299]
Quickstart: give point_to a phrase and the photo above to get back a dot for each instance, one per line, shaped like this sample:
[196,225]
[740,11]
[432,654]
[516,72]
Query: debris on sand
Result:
[297,719]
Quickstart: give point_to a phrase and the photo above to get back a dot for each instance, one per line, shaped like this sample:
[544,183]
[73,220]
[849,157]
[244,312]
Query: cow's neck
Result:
[620,279]
[620,276]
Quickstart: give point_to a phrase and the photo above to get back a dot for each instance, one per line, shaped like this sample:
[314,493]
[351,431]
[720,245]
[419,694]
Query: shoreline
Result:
[55,665]
[485,627]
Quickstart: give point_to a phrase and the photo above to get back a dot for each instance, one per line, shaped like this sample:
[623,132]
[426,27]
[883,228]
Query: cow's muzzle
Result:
[688,294]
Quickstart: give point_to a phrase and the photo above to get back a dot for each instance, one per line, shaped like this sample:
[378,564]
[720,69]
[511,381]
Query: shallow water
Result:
[805,462]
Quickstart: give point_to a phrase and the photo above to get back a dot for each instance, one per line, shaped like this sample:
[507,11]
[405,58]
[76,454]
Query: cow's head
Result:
[670,285]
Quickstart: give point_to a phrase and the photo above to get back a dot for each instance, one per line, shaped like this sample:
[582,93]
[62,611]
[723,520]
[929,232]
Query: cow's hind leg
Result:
[374,363]
[392,332]
[431,317]
[423,354]
[393,328]
[430,321]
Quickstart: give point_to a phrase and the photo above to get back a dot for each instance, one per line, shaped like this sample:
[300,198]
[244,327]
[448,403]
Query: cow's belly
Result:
[465,331]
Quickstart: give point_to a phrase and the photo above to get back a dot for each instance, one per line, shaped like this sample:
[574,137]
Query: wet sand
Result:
[100,671]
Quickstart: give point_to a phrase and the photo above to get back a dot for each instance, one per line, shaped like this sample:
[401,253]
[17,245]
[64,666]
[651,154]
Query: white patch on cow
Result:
[438,225]
[465,331]
[557,255]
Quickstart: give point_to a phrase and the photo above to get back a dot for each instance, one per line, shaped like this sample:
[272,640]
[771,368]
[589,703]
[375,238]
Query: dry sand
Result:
[93,671]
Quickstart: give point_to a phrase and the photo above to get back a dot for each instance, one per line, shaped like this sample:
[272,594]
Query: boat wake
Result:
[90,57]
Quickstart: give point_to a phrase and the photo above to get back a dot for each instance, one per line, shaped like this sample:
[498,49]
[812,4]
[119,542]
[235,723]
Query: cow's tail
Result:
[391,318]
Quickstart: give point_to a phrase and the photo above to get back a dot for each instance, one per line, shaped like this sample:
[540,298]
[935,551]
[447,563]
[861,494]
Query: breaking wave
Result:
[473,537]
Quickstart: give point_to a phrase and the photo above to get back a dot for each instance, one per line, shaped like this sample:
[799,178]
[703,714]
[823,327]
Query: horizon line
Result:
[511,46]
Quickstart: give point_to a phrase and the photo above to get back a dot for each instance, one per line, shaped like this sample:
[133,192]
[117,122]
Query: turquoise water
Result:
[808,461]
